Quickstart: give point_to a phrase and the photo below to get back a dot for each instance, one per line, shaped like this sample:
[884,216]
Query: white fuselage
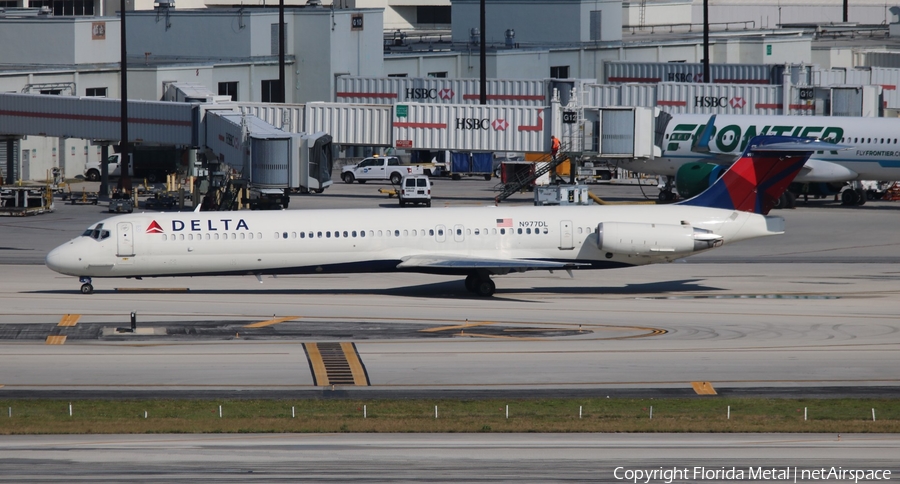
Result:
[875,142]
[376,240]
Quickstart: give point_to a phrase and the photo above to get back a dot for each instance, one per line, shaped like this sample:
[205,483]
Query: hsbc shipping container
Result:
[351,124]
[391,90]
[638,95]
[886,77]
[603,95]
[286,117]
[683,98]
[827,77]
[840,76]
[503,92]
[891,98]
[470,128]
[615,95]
[653,72]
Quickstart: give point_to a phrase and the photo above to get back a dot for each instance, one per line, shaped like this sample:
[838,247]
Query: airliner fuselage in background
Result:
[477,242]
[874,143]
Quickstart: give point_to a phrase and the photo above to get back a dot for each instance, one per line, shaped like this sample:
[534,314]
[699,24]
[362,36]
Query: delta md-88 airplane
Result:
[476,242]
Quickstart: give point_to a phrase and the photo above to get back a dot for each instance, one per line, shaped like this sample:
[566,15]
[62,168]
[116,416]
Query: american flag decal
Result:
[504,222]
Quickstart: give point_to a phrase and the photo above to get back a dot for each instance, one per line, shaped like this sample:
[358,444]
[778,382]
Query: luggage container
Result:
[471,164]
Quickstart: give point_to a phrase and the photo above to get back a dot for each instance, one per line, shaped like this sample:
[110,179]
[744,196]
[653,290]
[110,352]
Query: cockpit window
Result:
[96,233]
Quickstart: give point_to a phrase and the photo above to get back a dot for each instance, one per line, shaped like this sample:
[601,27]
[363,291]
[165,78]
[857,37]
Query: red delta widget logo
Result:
[199,225]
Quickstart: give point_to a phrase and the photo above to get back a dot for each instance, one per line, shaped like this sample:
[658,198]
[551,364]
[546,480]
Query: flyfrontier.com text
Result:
[668,475]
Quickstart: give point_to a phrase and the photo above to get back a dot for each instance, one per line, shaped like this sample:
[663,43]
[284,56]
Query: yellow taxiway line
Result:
[69,320]
[55,340]
[356,368]
[263,324]
[320,375]
[703,388]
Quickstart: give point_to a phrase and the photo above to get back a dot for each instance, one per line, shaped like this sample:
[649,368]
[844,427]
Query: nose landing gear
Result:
[86,286]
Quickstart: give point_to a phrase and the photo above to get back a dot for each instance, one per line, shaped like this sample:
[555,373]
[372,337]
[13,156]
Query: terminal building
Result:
[70,48]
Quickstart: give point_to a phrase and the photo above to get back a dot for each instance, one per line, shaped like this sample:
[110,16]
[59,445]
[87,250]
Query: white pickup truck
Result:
[381,168]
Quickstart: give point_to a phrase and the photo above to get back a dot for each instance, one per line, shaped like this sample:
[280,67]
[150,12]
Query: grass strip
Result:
[704,414]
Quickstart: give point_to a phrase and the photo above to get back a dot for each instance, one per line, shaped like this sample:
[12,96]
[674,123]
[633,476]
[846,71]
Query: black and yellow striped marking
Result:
[335,364]
[270,322]
[69,320]
[703,388]
[55,340]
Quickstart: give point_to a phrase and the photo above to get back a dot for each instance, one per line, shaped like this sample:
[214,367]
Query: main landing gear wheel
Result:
[853,196]
[786,200]
[87,288]
[482,286]
[485,288]
[862,196]
[471,280]
[666,196]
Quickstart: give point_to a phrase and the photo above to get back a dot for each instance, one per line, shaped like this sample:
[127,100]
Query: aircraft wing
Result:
[435,261]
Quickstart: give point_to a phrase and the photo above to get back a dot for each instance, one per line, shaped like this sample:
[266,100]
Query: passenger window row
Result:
[214,236]
[99,234]
[869,140]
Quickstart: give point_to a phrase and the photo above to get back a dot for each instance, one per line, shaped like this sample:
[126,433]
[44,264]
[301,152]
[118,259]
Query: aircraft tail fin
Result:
[758,179]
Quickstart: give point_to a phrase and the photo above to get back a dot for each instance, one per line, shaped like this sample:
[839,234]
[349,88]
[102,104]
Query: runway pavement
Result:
[813,312]
[621,458]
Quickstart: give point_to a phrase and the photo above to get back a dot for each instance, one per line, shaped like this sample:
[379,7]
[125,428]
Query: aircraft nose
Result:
[60,260]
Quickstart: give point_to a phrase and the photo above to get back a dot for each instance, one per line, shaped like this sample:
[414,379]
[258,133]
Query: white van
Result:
[415,189]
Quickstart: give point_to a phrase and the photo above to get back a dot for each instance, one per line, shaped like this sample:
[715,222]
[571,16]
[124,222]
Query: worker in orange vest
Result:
[554,146]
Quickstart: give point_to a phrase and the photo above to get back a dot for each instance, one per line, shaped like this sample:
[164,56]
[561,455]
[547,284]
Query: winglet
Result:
[701,142]
[761,175]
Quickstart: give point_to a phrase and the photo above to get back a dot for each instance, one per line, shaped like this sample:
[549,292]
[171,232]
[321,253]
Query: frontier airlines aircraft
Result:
[476,242]
[871,148]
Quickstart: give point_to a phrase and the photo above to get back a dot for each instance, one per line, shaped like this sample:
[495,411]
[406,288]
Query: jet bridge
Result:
[269,158]
[152,122]
[626,132]
[272,161]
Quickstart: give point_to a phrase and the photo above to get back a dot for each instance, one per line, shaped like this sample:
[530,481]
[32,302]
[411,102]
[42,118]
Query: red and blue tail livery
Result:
[761,175]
